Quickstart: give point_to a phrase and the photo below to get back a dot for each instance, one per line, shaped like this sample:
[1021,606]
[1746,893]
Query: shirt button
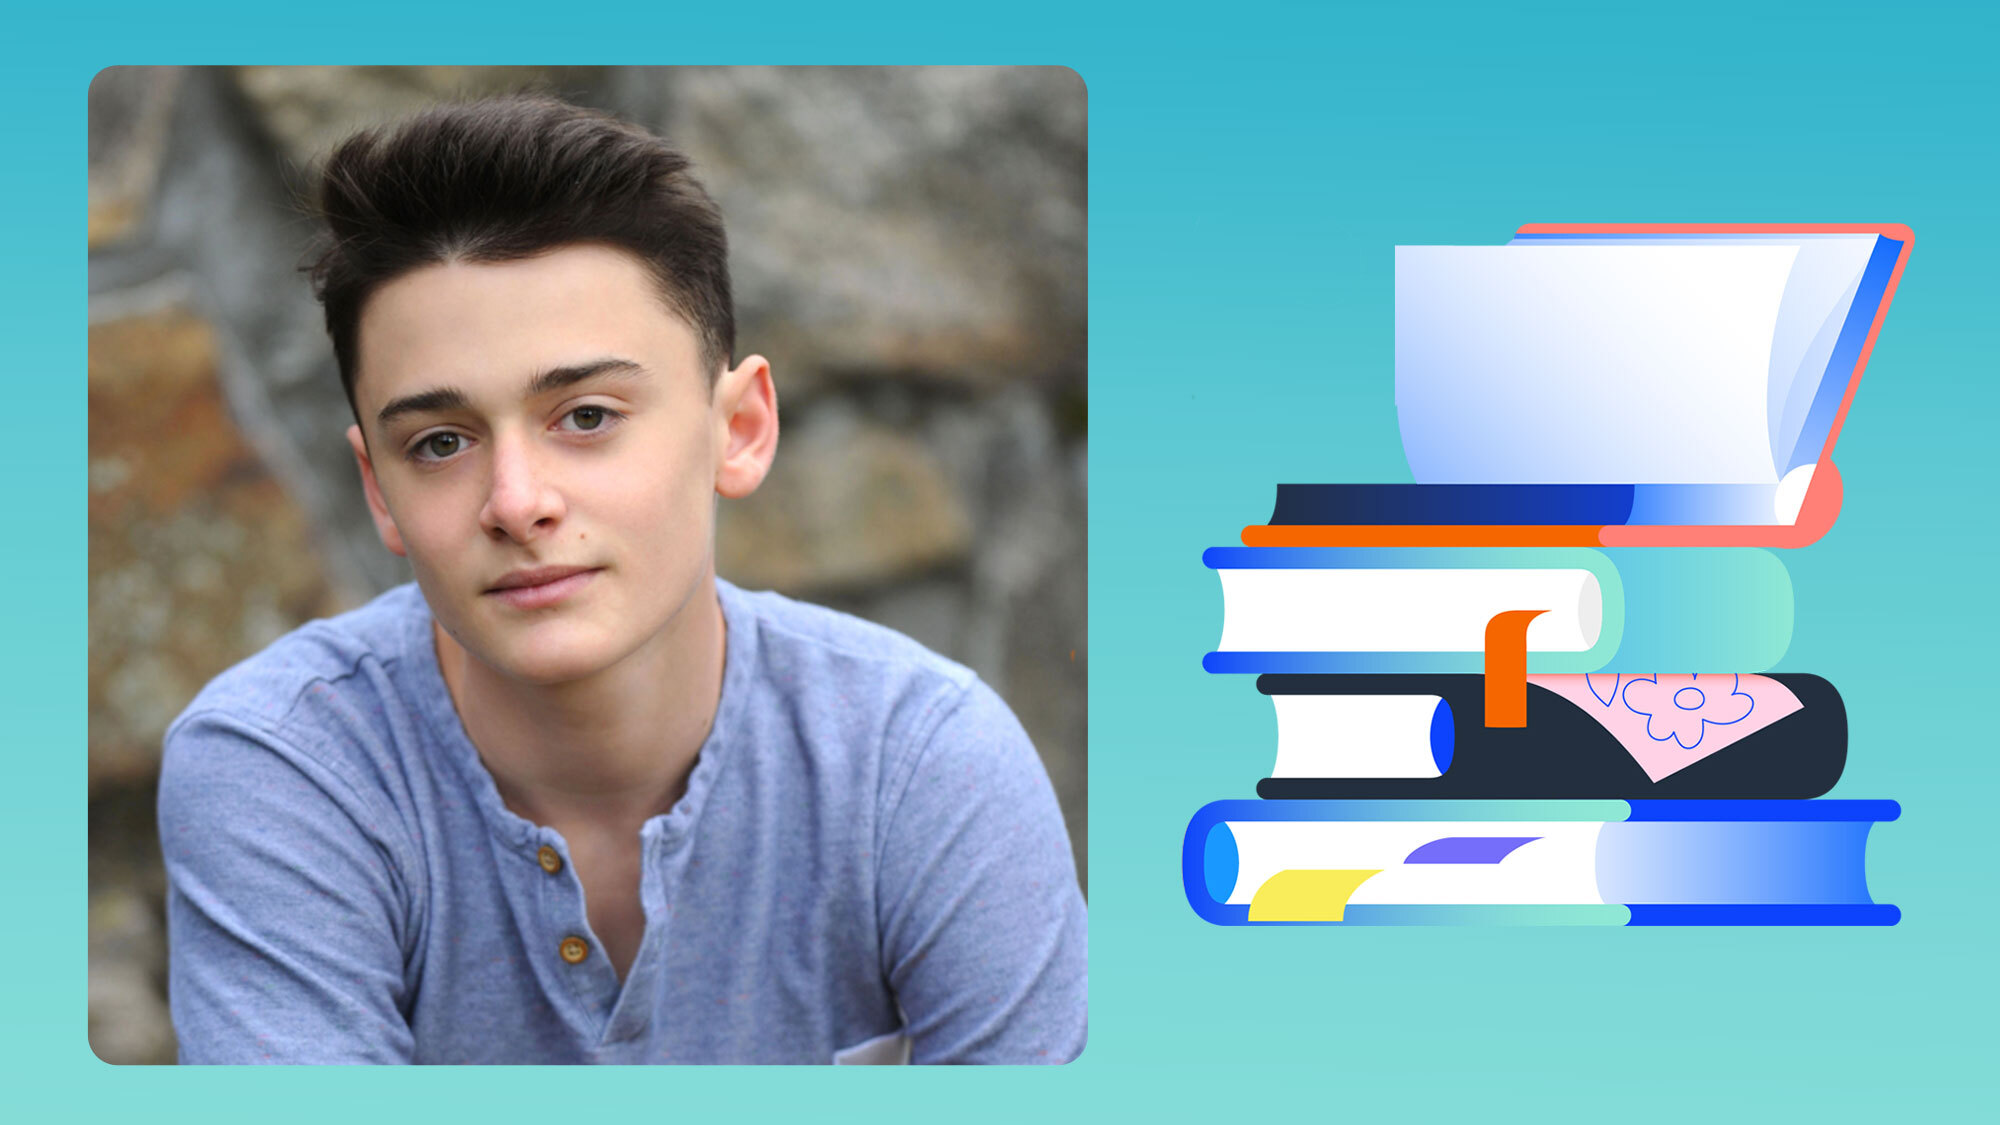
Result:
[574,949]
[550,861]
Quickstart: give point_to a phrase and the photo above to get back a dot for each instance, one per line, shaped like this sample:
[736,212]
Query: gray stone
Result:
[129,1022]
[310,109]
[931,611]
[128,112]
[848,503]
[197,557]
[906,222]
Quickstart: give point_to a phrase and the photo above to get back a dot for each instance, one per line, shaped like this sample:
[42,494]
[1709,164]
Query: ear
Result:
[385,524]
[746,427]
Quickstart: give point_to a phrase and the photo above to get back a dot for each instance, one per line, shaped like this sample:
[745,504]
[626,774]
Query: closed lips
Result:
[539,577]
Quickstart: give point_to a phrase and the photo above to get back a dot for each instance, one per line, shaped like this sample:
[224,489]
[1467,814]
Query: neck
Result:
[611,749]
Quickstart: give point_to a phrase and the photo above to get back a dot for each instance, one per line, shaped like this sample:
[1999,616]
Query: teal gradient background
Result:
[1251,168]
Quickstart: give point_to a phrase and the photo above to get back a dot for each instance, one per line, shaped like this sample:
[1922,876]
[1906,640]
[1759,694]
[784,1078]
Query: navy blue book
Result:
[1424,737]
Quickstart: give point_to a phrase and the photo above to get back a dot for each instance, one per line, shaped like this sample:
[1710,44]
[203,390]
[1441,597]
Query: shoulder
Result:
[266,688]
[839,675]
[833,664]
[863,687]
[325,697]
[790,631]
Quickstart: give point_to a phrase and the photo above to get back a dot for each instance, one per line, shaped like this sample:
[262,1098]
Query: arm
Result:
[287,916]
[982,921]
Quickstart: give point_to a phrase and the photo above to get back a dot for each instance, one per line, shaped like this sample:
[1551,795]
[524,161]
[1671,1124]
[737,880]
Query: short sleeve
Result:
[287,911]
[982,920]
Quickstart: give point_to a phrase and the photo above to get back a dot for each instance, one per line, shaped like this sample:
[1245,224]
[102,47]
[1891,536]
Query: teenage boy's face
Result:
[549,415]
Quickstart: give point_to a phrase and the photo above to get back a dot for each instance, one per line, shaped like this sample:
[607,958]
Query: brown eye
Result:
[441,445]
[588,417]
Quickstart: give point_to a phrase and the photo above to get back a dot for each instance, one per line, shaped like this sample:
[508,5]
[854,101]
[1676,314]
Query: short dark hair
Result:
[511,177]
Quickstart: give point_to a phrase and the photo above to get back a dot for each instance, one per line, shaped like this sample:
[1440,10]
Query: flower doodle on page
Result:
[1682,708]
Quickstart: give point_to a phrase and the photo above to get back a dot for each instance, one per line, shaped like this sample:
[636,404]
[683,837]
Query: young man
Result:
[570,797]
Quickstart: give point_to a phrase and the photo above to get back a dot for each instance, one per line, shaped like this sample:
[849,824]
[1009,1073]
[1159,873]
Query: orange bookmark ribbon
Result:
[1507,667]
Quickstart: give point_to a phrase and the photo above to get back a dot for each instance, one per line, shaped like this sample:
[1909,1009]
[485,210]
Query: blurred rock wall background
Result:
[908,248]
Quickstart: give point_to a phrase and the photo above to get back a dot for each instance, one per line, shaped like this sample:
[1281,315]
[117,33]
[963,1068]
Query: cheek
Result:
[440,522]
[665,478]
[658,500]
[675,506]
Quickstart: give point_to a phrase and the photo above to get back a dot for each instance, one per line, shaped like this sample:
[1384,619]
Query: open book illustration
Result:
[1618,385]
[1537,685]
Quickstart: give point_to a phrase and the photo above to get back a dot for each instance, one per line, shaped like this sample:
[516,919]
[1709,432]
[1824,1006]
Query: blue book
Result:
[1622,863]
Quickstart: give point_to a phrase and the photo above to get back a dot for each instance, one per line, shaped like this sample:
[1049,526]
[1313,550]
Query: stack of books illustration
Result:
[1534,686]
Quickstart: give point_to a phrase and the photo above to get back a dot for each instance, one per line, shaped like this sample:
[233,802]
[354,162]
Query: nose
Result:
[522,502]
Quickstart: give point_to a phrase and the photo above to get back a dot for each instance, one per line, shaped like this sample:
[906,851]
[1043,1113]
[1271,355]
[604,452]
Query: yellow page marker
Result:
[1306,896]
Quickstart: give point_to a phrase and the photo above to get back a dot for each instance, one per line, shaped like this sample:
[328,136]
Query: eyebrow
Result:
[556,378]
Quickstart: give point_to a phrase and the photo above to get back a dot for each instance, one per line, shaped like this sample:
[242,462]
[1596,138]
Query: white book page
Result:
[1357,735]
[1370,609]
[1818,295]
[1560,866]
[1587,364]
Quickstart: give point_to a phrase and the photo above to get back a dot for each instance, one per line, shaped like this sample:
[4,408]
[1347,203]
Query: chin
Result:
[550,664]
[546,654]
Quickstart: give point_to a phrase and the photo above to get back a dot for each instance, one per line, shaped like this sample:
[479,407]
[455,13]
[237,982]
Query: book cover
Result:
[1626,863]
[1653,736]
